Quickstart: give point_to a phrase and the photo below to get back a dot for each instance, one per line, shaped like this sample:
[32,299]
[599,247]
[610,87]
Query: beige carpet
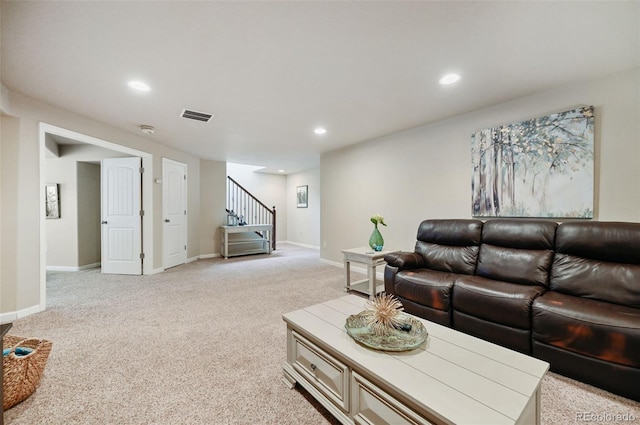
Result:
[204,343]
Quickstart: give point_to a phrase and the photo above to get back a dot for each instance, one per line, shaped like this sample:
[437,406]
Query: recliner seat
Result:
[588,324]
[513,269]
[423,280]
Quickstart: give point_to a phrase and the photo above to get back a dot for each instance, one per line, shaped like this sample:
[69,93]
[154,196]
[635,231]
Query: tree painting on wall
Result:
[542,167]
[302,196]
[52,200]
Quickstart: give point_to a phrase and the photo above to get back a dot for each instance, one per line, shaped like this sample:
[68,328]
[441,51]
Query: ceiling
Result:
[270,72]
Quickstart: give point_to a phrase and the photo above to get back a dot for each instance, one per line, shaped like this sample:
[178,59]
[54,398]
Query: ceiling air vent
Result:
[195,115]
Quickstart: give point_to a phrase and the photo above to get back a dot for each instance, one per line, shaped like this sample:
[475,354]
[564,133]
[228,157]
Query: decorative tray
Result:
[397,340]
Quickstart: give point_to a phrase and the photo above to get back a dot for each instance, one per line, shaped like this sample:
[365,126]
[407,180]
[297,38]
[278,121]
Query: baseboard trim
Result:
[303,245]
[12,316]
[62,269]
[205,256]
[332,263]
[90,266]
[8,317]
[72,268]
[155,271]
[30,310]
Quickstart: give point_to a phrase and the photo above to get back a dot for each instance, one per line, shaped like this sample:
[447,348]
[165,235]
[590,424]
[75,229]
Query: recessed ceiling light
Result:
[449,79]
[139,85]
[320,130]
[281,171]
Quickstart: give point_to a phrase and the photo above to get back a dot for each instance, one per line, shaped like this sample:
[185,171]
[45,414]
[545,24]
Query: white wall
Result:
[9,137]
[62,233]
[212,206]
[425,172]
[89,213]
[303,224]
[20,153]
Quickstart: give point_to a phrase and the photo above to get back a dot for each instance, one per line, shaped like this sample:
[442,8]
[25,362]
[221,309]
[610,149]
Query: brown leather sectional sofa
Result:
[566,293]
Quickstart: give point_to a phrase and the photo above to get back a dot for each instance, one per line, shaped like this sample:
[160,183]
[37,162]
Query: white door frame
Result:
[185,225]
[147,196]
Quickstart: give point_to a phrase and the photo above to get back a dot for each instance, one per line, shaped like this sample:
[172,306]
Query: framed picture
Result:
[52,200]
[542,167]
[302,196]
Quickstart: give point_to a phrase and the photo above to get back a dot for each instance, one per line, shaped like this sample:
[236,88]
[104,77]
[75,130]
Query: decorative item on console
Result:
[376,241]
[234,219]
[384,326]
[383,313]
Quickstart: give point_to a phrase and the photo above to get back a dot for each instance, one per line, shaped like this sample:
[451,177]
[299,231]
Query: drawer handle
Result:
[313,367]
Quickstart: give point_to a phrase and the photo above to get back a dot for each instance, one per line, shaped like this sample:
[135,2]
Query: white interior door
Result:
[121,216]
[174,210]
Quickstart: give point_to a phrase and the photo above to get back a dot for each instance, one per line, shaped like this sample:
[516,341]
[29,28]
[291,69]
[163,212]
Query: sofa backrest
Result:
[517,251]
[598,260]
[449,245]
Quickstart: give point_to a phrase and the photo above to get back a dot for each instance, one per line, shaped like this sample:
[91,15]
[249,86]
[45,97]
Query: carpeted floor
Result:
[204,343]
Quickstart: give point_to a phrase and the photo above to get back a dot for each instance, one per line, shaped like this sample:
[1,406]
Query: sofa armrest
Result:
[404,260]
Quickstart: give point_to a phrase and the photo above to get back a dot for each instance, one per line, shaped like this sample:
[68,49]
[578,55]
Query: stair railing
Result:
[252,210]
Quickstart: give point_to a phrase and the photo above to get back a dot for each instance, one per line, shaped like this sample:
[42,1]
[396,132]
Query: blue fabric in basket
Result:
[20,351]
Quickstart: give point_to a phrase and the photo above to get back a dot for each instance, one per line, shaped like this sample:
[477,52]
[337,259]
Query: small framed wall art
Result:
[52,200]
[302,196]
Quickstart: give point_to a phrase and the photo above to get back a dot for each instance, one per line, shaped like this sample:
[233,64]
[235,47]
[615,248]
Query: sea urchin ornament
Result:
[383,314]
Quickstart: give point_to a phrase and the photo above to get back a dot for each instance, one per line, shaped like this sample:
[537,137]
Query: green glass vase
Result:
[376,242]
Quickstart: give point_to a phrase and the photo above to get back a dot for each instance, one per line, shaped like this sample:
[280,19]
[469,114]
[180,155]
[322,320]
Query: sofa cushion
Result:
[591,328]
[495,301]
[522,266]
[430,288]
[600,240]
[520,233]
[449,245]
[598,260]
[516,250]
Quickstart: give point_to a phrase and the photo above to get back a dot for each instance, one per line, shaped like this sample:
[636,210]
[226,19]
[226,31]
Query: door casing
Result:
[44,130]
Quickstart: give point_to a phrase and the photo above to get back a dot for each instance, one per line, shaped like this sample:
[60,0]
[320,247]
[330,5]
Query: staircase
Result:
[249,209]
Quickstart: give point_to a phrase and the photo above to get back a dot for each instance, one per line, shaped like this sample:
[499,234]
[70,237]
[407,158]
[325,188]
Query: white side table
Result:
[370,258]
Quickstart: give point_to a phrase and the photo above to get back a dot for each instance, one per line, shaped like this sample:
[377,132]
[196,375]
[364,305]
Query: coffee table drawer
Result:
[328,375]
[371,405]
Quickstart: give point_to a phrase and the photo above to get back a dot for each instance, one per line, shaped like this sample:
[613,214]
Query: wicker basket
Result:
[21,374]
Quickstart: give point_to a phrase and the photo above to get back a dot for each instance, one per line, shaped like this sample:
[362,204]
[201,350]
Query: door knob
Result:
[166,220]
[104,222]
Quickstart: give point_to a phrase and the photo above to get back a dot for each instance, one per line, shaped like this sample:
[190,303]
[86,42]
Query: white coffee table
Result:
[453,379]
[371,259]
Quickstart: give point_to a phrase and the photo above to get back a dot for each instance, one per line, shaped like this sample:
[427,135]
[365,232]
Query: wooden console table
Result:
[245,244]
[3,330]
